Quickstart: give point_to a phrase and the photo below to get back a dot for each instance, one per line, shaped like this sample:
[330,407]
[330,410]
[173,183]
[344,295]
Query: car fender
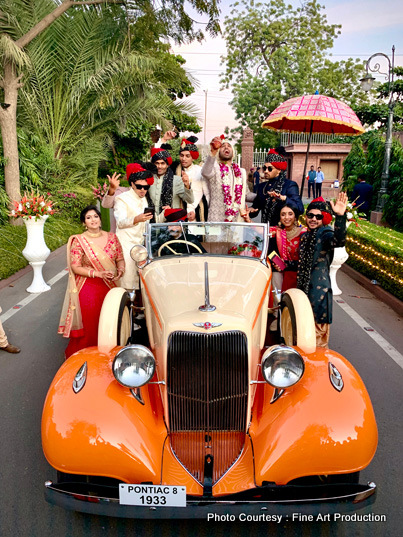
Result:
[103,429]
[312,428]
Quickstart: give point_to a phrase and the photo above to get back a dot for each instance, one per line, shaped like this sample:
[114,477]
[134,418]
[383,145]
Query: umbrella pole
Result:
[306,161]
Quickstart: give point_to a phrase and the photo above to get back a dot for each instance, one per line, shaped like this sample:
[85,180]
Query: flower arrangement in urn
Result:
[352,212]
[33,205]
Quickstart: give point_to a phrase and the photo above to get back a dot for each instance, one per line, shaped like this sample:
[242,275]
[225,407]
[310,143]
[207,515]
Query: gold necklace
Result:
[294,232]
[94,235]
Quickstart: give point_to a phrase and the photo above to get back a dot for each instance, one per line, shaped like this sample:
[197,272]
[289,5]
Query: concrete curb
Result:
[386,297]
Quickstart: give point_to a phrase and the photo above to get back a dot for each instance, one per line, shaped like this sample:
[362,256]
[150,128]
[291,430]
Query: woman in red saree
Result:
[284,242]
[284,248]
[95,262]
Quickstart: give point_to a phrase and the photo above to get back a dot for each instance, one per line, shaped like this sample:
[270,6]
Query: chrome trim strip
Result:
[136,392]
[356,497]
[80,378]
[335,377]
[207,306]
[276,395]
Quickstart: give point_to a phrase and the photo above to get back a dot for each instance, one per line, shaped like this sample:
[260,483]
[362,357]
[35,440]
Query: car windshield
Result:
[200,238]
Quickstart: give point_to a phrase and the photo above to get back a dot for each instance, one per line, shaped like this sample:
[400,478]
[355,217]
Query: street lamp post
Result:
[366,84]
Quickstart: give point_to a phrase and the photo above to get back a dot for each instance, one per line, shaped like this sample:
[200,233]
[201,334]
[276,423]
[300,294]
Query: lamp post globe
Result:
[366,84]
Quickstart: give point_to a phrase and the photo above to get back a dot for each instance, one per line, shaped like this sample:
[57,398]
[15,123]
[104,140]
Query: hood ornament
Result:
[207,325]
[206,306]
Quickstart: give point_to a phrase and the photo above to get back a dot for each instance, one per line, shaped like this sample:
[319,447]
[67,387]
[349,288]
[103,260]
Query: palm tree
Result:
[84,82]
[75,84]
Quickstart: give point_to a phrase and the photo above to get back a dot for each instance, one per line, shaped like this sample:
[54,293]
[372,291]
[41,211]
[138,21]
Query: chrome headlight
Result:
[133,366]
[282,366]
[139,254]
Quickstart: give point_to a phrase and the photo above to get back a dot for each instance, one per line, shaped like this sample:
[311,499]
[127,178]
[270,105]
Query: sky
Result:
[368,26]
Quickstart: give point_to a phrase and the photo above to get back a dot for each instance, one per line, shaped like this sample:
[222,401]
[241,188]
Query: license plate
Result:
[152,495]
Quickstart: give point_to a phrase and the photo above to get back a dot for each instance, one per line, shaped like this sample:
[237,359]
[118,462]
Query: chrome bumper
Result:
[272,500]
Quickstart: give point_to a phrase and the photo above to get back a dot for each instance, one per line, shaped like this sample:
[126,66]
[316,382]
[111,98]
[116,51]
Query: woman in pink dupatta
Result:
[95,262]
[284,241]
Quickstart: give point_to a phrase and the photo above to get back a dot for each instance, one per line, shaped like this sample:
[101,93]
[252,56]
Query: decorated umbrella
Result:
[314,113]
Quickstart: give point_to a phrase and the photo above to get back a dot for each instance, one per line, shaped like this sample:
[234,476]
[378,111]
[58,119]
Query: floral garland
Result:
[233,206]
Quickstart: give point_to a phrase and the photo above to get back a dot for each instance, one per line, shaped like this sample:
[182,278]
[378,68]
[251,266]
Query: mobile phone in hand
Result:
[149,210]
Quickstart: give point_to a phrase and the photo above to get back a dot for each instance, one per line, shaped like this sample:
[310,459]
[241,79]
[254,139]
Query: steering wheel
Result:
[175,241]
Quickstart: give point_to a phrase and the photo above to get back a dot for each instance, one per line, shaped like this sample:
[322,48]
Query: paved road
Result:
[24,380]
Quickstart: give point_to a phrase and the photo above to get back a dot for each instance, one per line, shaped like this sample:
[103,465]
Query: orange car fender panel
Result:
[102,430]
[313,429]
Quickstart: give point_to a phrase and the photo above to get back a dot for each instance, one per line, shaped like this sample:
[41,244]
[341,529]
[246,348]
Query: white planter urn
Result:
[36,252]
[340,257]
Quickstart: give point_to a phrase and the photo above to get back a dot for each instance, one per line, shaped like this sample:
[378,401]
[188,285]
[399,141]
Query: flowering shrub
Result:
[245,249]
[69,204]
[100,191]
[33,205]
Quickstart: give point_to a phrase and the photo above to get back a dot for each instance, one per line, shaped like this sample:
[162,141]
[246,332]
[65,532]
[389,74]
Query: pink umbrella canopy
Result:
[314,113]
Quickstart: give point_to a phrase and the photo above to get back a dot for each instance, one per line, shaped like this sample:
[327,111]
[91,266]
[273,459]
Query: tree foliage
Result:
[354,165]
[376,113]
[96,74]
[369,164]
[276,52]
[90,73]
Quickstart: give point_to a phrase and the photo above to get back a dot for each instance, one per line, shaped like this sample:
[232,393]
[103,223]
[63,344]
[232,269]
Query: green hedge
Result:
[13,239]
[377,252]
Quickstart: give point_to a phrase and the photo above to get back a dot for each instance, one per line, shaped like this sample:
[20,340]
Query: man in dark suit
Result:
[362,195]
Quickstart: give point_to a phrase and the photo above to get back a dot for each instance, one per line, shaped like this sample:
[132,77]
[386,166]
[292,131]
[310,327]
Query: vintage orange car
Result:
[199,412]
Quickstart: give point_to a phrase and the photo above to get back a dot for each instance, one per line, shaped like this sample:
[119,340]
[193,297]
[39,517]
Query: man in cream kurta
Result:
[129,206]
[212,174]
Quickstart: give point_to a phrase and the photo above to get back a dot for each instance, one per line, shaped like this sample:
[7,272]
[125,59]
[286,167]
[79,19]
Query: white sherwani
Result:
[211,173]
[127,206]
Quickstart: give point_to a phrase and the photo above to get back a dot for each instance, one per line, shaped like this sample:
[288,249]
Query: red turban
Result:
[322,205]
[135,171]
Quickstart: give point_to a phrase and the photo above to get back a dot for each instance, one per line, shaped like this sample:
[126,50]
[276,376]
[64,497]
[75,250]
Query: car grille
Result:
[207,385]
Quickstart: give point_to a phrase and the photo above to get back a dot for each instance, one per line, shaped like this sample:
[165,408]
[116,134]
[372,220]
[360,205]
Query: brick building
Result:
[329,157]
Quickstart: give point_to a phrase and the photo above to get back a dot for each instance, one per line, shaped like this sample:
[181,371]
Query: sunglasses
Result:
[312,215]
[268,168]
[142,187]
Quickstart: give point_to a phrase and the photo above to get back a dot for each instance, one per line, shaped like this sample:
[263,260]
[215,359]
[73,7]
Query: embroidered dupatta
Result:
[71,323]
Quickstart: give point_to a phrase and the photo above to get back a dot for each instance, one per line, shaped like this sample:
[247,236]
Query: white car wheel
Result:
[114,322]
[297,325]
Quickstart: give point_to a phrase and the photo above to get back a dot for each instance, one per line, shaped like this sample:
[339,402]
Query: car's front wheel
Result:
[297,324]
[114,322]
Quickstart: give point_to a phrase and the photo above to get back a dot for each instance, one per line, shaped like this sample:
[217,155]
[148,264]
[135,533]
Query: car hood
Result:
[238,287]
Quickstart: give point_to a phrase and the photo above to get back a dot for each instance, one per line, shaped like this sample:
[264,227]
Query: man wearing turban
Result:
[189,171]
[168,190]
[131,218]
[316,255]
[227,182]
[276,191]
